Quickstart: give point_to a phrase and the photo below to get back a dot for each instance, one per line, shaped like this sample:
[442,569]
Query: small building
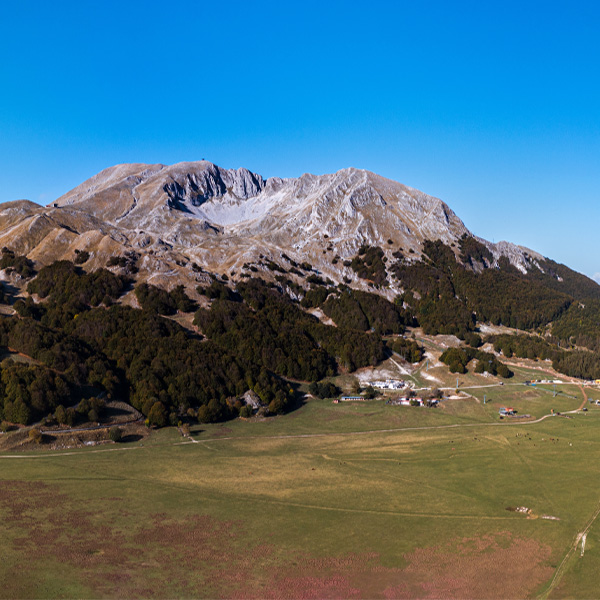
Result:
[389,384]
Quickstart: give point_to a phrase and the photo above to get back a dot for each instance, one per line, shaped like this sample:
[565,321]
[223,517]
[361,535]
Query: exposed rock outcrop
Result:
[220,219]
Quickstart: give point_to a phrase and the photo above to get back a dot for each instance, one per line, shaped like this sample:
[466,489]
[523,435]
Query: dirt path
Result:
[580,538]
[403,370]
[71,453]
[370,431]
[585,397]
[191,440]
[93,428]
[428,515]
[562,567]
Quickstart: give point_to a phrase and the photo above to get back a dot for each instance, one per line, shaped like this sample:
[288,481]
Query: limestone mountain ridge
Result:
[227,220]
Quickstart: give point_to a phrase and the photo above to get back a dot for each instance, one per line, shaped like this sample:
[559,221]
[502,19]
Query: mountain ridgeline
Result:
[182,289]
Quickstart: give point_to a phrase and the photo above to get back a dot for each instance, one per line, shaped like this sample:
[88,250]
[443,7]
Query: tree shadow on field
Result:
[132,437]
[112,412]
[299,397]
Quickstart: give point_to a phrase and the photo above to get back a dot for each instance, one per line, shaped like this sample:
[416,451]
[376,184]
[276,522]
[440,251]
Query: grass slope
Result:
[320,503]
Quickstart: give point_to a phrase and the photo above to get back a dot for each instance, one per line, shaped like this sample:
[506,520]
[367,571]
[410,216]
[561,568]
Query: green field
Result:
[346,500]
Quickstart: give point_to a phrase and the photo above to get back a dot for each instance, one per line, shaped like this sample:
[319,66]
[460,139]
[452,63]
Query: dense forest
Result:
[580,325]
[267,324]
[370,264]
[85,347]
[353,309]
[408,349]
[458,359]
[575,363]
[160,301]
[453,295]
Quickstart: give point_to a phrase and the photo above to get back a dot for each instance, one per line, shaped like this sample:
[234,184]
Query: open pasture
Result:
[536,401]
[322,503]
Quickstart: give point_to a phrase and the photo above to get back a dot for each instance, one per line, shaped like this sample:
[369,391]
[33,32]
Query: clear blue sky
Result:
[493,107]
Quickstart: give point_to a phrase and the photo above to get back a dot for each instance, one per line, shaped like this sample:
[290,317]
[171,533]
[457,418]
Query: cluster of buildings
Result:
[535,381]
[389,384]
[405,401]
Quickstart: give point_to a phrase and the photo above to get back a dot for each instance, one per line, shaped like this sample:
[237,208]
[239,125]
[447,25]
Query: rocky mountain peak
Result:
[223,219]
[196,183]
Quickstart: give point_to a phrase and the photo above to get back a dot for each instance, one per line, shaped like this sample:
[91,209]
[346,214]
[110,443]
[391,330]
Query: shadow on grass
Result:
[110,413]
[132,437]
[298,400]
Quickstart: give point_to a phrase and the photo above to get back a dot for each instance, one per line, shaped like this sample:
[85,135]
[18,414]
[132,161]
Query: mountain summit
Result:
[222,219]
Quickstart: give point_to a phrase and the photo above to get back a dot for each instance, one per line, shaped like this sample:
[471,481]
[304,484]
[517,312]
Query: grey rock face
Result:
[230,216]
[197,186]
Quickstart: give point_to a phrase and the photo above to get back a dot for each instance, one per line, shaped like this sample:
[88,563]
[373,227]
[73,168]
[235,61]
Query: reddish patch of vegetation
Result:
[305,577]
[492,566]
[117,553]
[162,558]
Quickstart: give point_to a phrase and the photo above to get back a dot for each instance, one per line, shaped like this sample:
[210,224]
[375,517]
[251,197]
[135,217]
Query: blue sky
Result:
[493,107]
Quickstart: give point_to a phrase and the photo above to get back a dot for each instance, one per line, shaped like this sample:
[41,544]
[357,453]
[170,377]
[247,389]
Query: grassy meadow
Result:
[333,500]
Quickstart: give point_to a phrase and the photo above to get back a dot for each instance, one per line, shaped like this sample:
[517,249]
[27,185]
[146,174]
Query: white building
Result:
[389,384]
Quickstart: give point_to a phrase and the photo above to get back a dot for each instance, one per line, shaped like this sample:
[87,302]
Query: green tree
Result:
[158,415]
[371,392]
[35,435]
[115,434]
[246,411]
[60,414]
